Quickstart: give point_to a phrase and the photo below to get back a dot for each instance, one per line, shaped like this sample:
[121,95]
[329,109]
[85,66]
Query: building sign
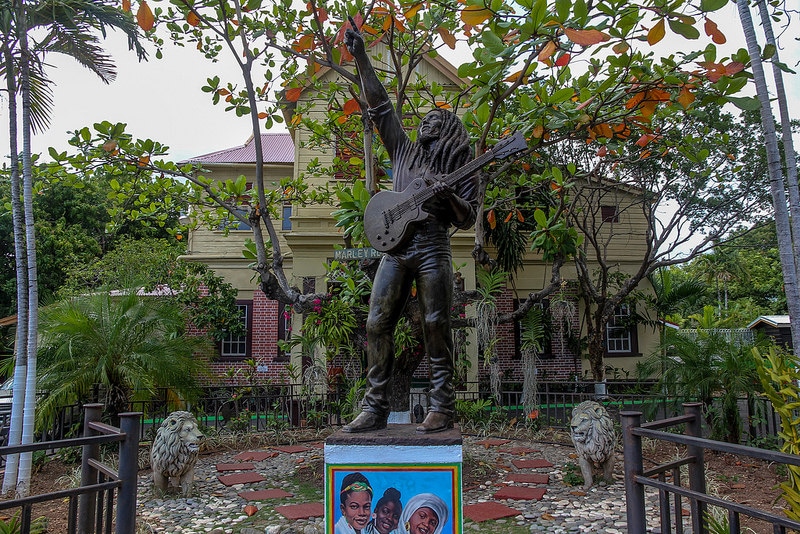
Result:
[357,254]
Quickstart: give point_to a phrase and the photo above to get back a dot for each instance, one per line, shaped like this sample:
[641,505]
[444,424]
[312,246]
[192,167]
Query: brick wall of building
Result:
[263,349]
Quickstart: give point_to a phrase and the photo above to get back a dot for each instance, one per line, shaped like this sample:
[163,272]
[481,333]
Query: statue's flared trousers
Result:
[426,259]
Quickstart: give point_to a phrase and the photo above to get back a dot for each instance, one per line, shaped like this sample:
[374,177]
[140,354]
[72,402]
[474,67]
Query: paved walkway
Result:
[229,488]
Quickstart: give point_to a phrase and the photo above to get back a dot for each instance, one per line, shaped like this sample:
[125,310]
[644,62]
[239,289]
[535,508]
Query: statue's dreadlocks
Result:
[452,150]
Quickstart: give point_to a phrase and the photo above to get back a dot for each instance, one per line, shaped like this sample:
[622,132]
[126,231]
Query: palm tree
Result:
[130,345]
[706,367]
[787,229]
[68,27]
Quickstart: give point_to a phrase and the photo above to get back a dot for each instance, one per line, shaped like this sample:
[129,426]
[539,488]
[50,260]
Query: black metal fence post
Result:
[128,471]
[632,452]
[697,469]
[86,502]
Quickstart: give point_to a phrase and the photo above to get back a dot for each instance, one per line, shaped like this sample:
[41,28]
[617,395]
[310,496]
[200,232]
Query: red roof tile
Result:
[277,148]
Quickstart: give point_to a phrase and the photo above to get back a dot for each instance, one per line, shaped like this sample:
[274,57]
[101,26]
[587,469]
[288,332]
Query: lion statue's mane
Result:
[174,452]
[593,435]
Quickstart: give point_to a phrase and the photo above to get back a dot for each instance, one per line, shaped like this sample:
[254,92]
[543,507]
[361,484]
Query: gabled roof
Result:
[276,148]
[775,321]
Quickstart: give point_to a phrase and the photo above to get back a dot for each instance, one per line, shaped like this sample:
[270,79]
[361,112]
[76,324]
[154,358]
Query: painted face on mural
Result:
[387,517]
[356,509]
[423,521]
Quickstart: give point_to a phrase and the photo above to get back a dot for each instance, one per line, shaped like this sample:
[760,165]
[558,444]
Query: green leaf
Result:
[540,218]
[563,8]
[493,43]
[768,52]
[562,95]
[745,103]
[712,5]
[580,10]
[686,30]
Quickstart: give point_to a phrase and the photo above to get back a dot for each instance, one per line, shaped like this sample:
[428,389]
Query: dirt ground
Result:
[746,481]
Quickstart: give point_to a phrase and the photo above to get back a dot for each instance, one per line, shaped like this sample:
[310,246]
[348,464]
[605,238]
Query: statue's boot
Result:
[365,422]
[435,422]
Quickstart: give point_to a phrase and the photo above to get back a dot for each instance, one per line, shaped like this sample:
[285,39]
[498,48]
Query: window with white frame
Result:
[238,346]
[621,332]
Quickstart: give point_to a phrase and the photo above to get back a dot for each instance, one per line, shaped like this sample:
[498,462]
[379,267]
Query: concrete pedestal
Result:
[425,469]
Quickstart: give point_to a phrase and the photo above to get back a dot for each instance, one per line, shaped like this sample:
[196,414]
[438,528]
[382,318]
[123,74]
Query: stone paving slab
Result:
[236,466]
[492,442]
[529,478]
[263,495]
[487,511]
[247,477]
[518,451]
[292,449]
[520,494]
[531,464]
[301,511]
[255,456]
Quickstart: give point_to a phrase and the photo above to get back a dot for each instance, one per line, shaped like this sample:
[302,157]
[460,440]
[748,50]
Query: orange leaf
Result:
[192,19]
[520,218]
[686,97]
[110,145]
[474,15]
[223,91]
[508,217]
[585,37]
[341,119]
[712,30]
[512,78]
[538,131]
[305,43]
[296,119]
[263,115]
[562,60]
[645,139]
[293,94]
[656,33]
[126,6]
[634,101]
[351,106]
[410,12]
[547,51]
[144,160]
[448,38]
[658,95]
[620,48]
[604,130]
[144,17]
[442,105]
[714,71]
[602,152]
[492,220]
[648,108]
[733,67]
[345,55]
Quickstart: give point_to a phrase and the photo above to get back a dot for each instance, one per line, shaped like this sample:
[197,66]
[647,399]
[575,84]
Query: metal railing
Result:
[672,493]
[91,506]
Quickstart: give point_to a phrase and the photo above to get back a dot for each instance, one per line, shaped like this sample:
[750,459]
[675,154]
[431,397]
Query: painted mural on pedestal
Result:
[389,499]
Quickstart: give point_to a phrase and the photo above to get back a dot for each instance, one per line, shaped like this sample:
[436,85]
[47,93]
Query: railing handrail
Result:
[719,446]
[636,478]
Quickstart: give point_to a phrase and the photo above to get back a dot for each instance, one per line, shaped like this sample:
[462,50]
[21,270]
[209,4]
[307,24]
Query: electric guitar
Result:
[389,214]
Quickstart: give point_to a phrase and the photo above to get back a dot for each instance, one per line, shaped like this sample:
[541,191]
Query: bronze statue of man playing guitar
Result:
[421,255]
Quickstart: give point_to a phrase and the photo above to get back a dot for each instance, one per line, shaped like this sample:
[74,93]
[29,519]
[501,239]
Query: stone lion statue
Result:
[593,435]
[174,452]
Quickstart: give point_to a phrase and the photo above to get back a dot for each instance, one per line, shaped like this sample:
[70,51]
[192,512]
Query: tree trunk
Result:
[26,459]
[20,351]
[777,186]
[786,127]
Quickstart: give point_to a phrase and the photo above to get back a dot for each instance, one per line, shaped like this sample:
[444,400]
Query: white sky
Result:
[162,99]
